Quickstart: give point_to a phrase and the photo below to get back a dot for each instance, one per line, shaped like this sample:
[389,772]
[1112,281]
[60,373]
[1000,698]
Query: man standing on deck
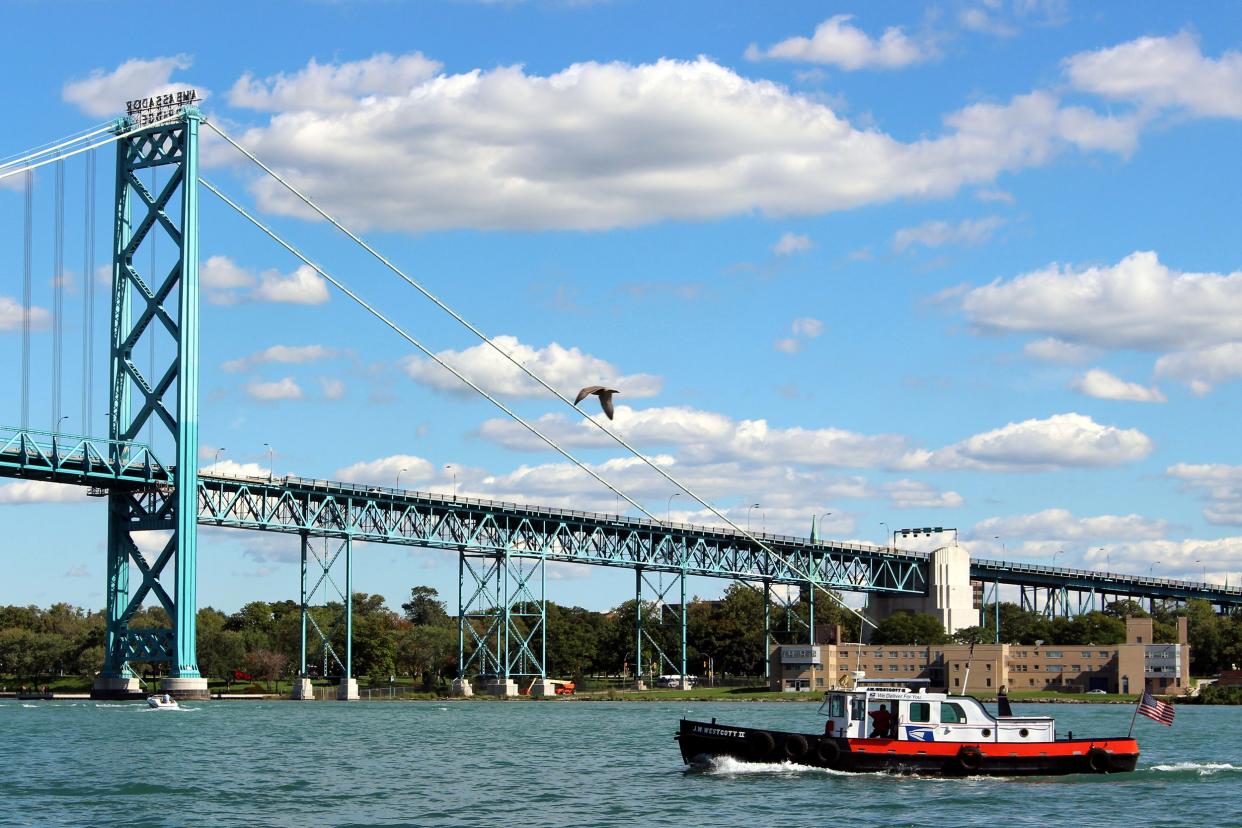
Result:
[881,721]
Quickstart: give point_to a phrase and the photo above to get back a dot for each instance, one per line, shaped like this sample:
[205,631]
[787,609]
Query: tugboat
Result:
[913,731]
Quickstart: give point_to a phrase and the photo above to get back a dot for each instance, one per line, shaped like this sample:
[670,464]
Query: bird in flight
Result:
[604,394]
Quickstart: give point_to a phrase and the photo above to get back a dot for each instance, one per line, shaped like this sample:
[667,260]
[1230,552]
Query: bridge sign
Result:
[147,111]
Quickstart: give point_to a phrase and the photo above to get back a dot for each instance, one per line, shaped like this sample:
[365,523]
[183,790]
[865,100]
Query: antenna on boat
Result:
[969,658]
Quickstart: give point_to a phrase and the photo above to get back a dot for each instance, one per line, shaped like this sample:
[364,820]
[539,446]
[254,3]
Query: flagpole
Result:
[1133,718]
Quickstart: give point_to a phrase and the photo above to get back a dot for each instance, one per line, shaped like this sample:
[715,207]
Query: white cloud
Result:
[282,389]
[979,20]
[1137,303]
[567,369]
[384,470]
[1062,525]
[334,87]
[707,437]
[1060,441]
[788,345]
[1187,559]
[40,491]
[11,315]
[1104,386]
[231,468]
[605,145]
[917,494]
[1163,72]
[286,354]
[807,326]
[1052,349]
[301,287]
[992,194]
[1202,368]
[791,243]
[938,233]
[228,283]
[333,389]
[837,42]
[1218,483]
[102,93]
[802,328]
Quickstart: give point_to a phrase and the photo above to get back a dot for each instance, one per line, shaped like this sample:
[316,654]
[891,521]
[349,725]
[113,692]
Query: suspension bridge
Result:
[154,485]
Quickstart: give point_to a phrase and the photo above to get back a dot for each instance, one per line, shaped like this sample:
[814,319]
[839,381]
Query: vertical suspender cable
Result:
[27,252]
[88,296]
[58,292]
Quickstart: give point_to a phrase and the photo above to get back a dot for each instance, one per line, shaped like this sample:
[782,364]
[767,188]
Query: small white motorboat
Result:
[163,701]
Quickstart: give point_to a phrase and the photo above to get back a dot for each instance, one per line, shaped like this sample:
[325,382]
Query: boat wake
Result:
[728,766]
[31,706]
[1198,768]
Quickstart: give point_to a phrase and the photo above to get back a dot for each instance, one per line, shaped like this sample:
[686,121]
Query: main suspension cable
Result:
[57,144]
[6,172]
[420,346]
[27,255]
[305,199]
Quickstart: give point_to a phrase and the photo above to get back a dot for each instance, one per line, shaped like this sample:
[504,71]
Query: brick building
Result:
[1138,664]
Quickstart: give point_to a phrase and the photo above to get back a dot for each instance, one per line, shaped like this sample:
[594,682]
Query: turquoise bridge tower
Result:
[153,385]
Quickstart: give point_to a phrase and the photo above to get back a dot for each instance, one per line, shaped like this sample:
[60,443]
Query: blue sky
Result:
[965,264]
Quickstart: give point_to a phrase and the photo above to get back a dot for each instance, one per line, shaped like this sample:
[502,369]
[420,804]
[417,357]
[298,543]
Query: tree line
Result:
[262,639]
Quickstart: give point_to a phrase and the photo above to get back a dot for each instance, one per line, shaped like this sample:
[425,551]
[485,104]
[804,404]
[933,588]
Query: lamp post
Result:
[63,417]
[216,460]
[668,506]
[398,486]
[454,470]
[1200,560]
[752,508]
[887,545]
[271,455]
[1002,543]
[1054,556]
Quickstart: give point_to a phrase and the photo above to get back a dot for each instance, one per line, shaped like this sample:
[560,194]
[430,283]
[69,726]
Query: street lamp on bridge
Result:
[668,506]
[216,460]
[454,470]
[271,458]
[753,507]
[398,486]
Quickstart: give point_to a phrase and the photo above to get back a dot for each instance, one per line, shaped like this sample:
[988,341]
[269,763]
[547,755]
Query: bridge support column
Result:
[638,630]
[767,631]
[348,690]
[165,304]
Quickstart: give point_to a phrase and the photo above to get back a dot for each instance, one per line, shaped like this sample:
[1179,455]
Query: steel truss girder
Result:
[168,502]
[326,564]
[320,508]
[660,607]
[500,615]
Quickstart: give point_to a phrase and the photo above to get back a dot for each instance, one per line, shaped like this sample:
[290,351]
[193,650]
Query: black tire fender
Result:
[795,746]
[828,751]
[760,743]
[1098,760]
[970,758]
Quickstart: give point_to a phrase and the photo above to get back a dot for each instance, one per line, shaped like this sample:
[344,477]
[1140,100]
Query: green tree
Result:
[910,628]
[425,607]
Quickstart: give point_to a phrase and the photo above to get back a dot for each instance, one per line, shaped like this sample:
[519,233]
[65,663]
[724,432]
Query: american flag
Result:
[1153,708]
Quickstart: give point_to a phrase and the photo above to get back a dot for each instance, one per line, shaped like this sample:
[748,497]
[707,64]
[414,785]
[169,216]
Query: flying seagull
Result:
[604,394]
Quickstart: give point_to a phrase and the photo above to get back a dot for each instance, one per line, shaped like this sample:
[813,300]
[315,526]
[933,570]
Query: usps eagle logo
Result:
[920,734]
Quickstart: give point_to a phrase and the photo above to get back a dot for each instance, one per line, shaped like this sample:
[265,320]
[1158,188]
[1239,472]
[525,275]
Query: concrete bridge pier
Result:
[949,594]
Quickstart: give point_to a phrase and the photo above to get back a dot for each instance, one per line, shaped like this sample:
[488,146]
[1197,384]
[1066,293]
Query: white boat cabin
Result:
[906,711]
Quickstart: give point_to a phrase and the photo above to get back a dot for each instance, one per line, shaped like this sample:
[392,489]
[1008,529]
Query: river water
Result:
[551,764]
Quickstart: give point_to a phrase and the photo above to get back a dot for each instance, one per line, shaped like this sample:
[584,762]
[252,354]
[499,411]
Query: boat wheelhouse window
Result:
[951,713]
[836,706]
[858,710]
[920,711]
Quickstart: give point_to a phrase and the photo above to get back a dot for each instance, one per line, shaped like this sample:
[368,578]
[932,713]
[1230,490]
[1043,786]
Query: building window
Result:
[957,682]
[879,668]
[989,666]
[1086,654]
[1077,668]
[1104,654]
[1032,682]
[1054,668]
[989,681]
[1052,653]
[1035,668]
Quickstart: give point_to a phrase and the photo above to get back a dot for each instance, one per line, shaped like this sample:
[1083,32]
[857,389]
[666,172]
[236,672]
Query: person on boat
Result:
[1002,703]
[881,722]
